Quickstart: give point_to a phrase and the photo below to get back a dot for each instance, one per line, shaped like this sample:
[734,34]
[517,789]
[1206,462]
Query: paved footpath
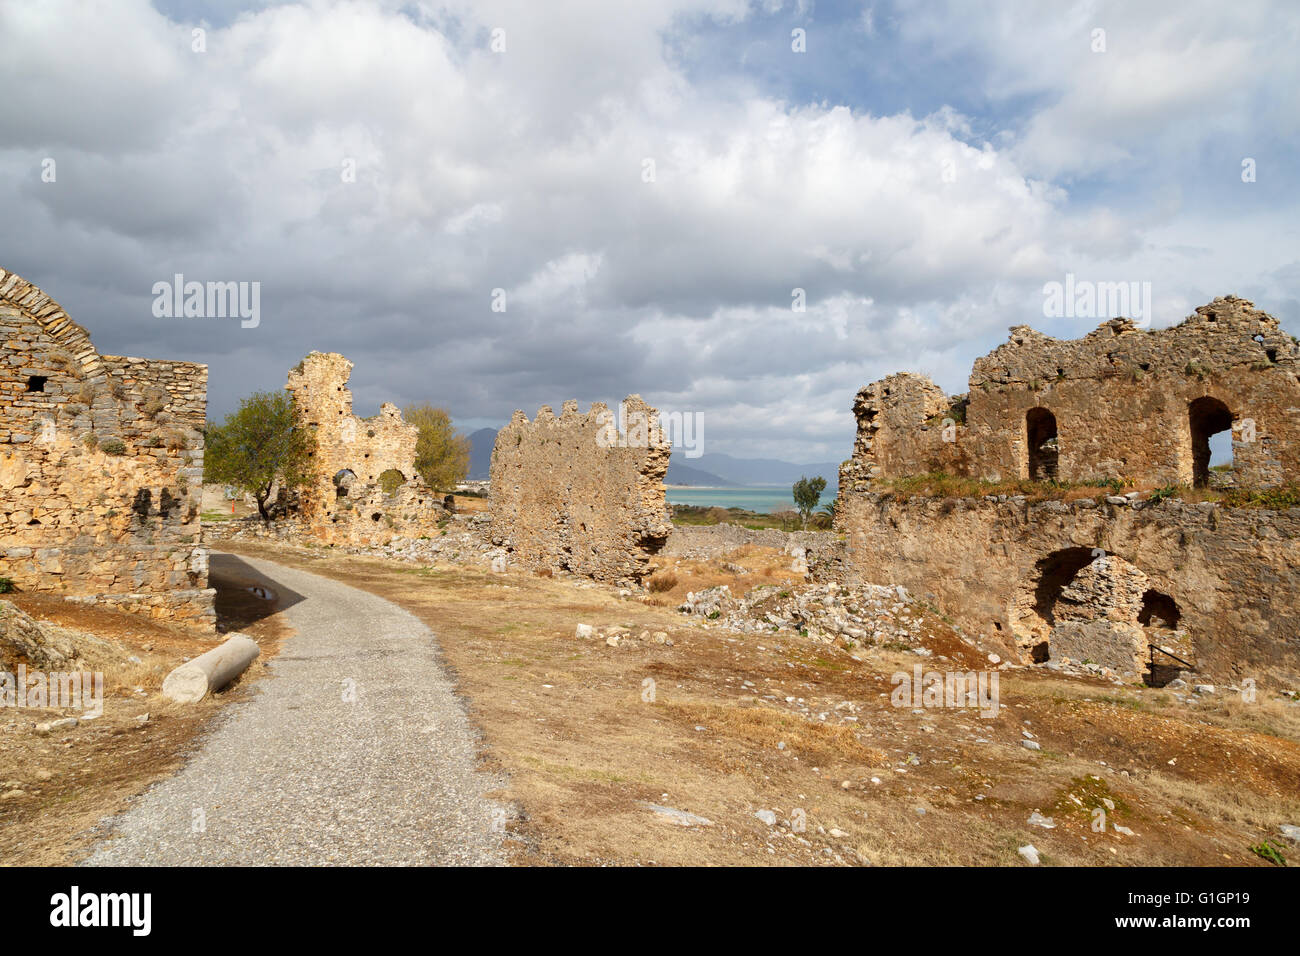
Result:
[296,774]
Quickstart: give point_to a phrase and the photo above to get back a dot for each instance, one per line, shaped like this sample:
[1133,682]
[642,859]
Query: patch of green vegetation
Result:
[701,515]
[937,484]
[210,516]
[1275,499]
[6,586]
[1268,850]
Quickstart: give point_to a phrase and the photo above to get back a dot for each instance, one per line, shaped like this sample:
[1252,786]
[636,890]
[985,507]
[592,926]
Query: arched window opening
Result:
[343,481]
[1209,419]
[1044,448]
[1159,610]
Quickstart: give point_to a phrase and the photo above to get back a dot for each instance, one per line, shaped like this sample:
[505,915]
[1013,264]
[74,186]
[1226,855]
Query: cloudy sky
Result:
[647,182]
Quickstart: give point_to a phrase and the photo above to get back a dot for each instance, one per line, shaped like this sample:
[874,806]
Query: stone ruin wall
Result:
[1009,571]
[101,466]
[566,498]
[1095,577]
[344,502]
[1123,402]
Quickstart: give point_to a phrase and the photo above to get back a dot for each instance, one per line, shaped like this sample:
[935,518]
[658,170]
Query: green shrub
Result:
[6,586]
[113,446]
[1268,850]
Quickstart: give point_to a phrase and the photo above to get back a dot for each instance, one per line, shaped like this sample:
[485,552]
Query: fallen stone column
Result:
[207,673]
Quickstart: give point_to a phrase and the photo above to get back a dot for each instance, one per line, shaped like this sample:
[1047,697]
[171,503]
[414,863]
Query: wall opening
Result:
[1044,448]
[1208,417]
[391,480]
[343,479]
[1036,608]
[1159,610]
[37,383]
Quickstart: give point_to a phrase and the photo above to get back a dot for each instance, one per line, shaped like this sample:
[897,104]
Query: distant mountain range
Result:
[757,471]
[710,470]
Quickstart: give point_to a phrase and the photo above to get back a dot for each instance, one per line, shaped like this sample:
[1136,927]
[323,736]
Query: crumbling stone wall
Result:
[1220,586]
[1122,402]
[345,502]
[572,494]
[101,466]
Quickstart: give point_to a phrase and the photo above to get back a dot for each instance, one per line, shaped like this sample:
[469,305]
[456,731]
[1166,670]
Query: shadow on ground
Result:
[245,595]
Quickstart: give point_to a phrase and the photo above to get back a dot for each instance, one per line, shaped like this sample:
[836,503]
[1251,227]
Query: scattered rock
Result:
[1031,745]
[1036,819]
[584,630]
[54,726]
[1030,853]
[680,817]
[767,816]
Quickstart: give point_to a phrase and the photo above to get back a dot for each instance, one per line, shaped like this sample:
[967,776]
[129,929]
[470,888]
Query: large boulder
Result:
[23,641]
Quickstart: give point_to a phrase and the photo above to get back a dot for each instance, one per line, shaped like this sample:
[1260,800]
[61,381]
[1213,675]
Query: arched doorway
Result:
[1035,612]
[1044,448]
[1206,417]
[343,480]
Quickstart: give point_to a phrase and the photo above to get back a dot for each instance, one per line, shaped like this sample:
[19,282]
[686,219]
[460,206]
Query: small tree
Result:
[258,445]
[441,453]
[806,495]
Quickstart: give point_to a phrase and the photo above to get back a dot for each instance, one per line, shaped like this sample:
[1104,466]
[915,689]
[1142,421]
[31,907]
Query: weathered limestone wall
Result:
[1122,402]
[101,466]
[1017,572]
[345,503]
[567,498]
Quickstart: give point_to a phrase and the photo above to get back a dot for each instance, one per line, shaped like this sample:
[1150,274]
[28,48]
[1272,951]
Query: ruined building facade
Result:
[101,466]
[1122,402]
[1104,577]
[363,488]
[577,494]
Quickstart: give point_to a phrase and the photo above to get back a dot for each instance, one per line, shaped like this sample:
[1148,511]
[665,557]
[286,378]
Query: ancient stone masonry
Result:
[1122,402]
[574,494]
[1097,579]
[364,488]
[101,466]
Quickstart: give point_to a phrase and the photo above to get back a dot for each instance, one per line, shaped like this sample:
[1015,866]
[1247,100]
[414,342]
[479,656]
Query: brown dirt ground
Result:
[67,783]
[566,719]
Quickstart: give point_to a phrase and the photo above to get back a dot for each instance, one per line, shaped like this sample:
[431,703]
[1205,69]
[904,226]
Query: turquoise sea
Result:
[763,500]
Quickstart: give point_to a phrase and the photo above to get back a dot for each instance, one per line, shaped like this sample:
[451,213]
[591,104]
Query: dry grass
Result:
[661,581]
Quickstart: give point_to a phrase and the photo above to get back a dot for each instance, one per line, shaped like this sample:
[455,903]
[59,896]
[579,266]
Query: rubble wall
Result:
[1121,402]
[101,466]
[999,567]
[344,502]
[572,494]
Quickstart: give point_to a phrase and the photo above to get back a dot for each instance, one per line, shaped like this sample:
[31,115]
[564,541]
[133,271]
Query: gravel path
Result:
[297,775]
